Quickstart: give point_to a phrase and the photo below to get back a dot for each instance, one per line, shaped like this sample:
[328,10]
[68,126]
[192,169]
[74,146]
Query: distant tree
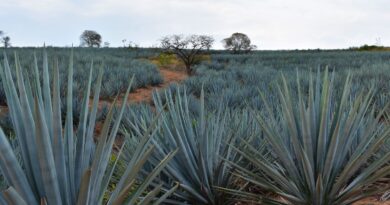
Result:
[124,42]
[6,40]
[90,39]
[106,44]
[367,47]
[133,45]
[187,48]
[378,41]
[238,42]
[130,44]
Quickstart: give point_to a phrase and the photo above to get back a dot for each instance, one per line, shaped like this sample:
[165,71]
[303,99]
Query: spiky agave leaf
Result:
[60,165]
[202,142]
[322,144]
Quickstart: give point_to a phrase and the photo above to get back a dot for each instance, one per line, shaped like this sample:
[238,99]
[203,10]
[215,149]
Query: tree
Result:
[6,40]
[130,44]
[187,48]
[238,42]
[133,45]
[106,44]
[90,38]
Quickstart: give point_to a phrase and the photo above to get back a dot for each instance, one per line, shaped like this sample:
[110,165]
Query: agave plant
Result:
[324,146]
[202,139]
[60,164]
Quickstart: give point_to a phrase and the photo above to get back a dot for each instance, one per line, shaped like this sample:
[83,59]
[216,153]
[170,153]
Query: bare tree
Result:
[124,42]
[6,40]
[90,38]
[130,44]
[238,42]
[187,48]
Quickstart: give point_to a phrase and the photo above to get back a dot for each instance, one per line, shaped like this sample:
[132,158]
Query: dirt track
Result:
[145,94]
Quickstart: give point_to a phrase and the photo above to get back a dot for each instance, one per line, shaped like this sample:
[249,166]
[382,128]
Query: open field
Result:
[304,127]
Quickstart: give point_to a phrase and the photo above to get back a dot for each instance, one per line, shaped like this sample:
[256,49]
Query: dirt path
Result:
[145,94]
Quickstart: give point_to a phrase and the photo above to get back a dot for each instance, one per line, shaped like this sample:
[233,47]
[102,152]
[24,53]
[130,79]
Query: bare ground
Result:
[145,94]
[371,201]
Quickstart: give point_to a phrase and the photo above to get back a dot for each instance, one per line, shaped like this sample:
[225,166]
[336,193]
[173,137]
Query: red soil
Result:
[3,110]
[145,94]
[366,201]
[371,201]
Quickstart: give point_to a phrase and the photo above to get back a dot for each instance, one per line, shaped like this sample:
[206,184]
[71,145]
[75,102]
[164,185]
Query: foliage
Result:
[200,118]
[202,138]
[235,79]
[5,40]
[118,66]
[238,43]
[187,48]
[6,122]
[366,47]
[323,146]
[90,39]
[165,59]
[60,165]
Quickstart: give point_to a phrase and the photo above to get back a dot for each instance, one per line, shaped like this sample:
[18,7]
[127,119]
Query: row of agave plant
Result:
[117,65]
[319,149]
[61,164]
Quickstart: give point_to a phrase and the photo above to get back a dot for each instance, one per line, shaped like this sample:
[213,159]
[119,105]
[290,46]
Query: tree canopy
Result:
[5,40]
[90,38]
[238,42]
[187,48]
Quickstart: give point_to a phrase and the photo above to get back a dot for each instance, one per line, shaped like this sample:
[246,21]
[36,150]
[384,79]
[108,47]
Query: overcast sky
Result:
[271,24]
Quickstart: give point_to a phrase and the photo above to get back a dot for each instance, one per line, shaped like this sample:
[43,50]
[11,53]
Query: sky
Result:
[271,24]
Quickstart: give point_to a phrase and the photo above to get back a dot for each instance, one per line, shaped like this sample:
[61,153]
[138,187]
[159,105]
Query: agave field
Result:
[117,66]
[267,127]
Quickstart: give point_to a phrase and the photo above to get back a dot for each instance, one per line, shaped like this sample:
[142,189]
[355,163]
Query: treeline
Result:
[366,47]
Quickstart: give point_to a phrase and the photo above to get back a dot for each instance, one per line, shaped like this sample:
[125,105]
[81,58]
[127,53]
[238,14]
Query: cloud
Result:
[34,7]
[272,24]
